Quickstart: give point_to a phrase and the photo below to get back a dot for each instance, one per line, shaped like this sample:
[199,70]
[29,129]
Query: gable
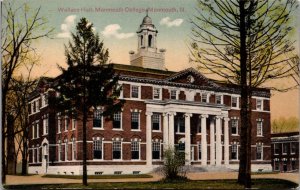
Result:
[191,76]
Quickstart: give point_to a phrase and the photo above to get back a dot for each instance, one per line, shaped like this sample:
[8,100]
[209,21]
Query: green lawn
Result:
[209,184]
[100,176]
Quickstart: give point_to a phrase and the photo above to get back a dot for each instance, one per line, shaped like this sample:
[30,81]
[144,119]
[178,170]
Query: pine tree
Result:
[88,83]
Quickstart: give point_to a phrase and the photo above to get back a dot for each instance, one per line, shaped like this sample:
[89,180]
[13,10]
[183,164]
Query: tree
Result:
[88,82]
[245,43]
[21,26]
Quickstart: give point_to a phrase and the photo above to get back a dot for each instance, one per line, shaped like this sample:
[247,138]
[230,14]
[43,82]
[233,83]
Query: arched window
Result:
[98,146]
[150,40]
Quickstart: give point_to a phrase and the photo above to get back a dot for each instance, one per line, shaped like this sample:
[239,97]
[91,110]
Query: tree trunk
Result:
[244,177]
[3,172]
[84,167]
[11,153]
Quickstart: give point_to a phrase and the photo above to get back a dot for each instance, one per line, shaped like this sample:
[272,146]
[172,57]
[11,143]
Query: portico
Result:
[193,123]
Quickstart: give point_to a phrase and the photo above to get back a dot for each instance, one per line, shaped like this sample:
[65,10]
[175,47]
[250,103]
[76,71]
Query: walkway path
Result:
[38,179]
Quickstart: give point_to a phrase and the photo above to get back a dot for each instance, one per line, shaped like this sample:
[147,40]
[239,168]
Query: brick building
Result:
[285,151]
[197,115]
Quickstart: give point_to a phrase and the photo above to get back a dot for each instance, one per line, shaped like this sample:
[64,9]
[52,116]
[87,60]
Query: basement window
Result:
[118,172]
[98,173]
[136,172]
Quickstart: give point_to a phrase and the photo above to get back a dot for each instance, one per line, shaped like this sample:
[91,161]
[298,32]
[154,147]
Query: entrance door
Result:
[45,158]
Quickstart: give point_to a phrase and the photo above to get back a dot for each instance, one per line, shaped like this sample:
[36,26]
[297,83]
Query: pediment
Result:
[191,76]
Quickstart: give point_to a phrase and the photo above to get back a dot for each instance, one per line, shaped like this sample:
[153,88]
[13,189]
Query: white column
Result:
[226,141]
[171,129]
[212,142]
[148,139]
[203,140]
[218,141]
[187,121]
[165,130]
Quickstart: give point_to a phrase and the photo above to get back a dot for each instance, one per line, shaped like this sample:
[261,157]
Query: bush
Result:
[173,168]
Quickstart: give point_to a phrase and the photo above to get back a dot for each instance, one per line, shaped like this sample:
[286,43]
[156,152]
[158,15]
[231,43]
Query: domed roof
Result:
[147,20]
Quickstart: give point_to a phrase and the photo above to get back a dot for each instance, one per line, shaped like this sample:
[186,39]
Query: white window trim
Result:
[291,145]
[237,150]
[102,146]
[121,123]
[45,125]
[37,129]
[283,153]
[139,142]
[275,149]
[262,104]
[159,130]
[74,124]
[177,94]
[139,91]
[160,149]
[33,130]
[139,119]
[121,154]
[33,154]
[262,151]
[237,127]
[261,129]
[207,97]
[67,121]
[59,151]
[160,93]
[74,148]
[38,154]
[237,102]
[66,150]
[221,97]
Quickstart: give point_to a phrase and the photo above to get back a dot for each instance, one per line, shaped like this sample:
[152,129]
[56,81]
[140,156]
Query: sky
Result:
[116,21]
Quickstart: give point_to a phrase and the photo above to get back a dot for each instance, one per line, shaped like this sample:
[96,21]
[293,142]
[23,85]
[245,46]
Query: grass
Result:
[262,173]
[122,176]
[204,184]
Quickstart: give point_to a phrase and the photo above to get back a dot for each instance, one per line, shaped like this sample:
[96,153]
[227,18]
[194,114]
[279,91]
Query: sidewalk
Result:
[38,179]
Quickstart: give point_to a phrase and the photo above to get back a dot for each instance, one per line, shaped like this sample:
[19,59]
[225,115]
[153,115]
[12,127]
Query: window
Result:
[66,123]
[117,120]
[59,126]
[37,154]
[284,148]
[150,40]
[135,117]
[180,125]
[74,123]
[259,128]
[259,152]
[45,126]
[234,154]
[134,91]
[204,98]
[135,150]
[73,149]
[293,147]
[156,93]
[276,148]
[259,104]
[117,149]
[66,149]
[199,152]
[156,150]
[97,121]
[234,126]
[218,99]
[293,164]
[37,129]
[44,98]
[97,146]
[33,107]
[33,131]
[59,151]
[276,165]
[173,95]
[156,122]
[234,102]
[33,155]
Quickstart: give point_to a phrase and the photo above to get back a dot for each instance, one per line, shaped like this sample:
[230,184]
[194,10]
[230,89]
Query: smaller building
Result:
[285,151]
